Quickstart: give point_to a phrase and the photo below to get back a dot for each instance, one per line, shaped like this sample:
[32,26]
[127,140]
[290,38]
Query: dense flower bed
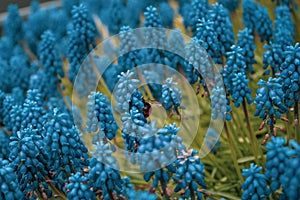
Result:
[51,149]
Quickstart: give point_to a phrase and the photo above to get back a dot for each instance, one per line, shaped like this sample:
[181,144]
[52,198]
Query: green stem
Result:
[236,146]
[55,190]
[252,136]
[233,153]
[288,126]
[192,192]
[296,118]
[164,188]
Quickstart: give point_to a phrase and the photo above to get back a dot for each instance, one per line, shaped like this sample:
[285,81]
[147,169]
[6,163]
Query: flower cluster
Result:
[12,26]
[290,76]
[189,176]
[234,73]
[208,38]
[137,108]
[42,154]
[99,117]
[198,11]
[28,160]
[166,14]
[63,145]
[249,19]
[82,38]
[79,187]
[270,102]
[231,5]
[222,26]
[159,150]
[255,185]
[9,186]
[105,179]
[246,42]
[263,24]
[171,96]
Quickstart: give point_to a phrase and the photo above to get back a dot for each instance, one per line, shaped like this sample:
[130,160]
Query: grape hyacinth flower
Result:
[158,153]
[159,148]
[290,179]
[63,145]
[131,193]
[195,62]
[222,26]
[114,16]
[270,103]
[28,160]
[273,57]
[255,185]
[208,38]
[103,178]
[49,58]
[81,39]
[277,158]
[219,102]
[12,115]
[126,86]
[171,96]
[263,24]
[41,20]
[231,5]
[155,38]
[189,175]
[166,14]
[249,19]
[176,46]
[246,43]
[235,63]
[6,48]
[100,118]
[4,149]
[240,89]
[133,11]
[12,25]
[129,57]
[18,94]
[41,83]
[290,76]
[137,108]
[284,26]
[9,186]
[2,97]
[79,187]
[33,112]
[198,11]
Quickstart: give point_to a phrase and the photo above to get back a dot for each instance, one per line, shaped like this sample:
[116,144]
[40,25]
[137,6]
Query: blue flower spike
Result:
[263,24]
[81,39]
[100,118]
[189,175]
[208,39]
[270,104]
[9,186]
[79,187]
[290,76]
[255,185]
[172,97]
[246,42]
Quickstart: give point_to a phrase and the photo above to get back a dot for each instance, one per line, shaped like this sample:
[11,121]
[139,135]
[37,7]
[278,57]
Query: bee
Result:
[147,110]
